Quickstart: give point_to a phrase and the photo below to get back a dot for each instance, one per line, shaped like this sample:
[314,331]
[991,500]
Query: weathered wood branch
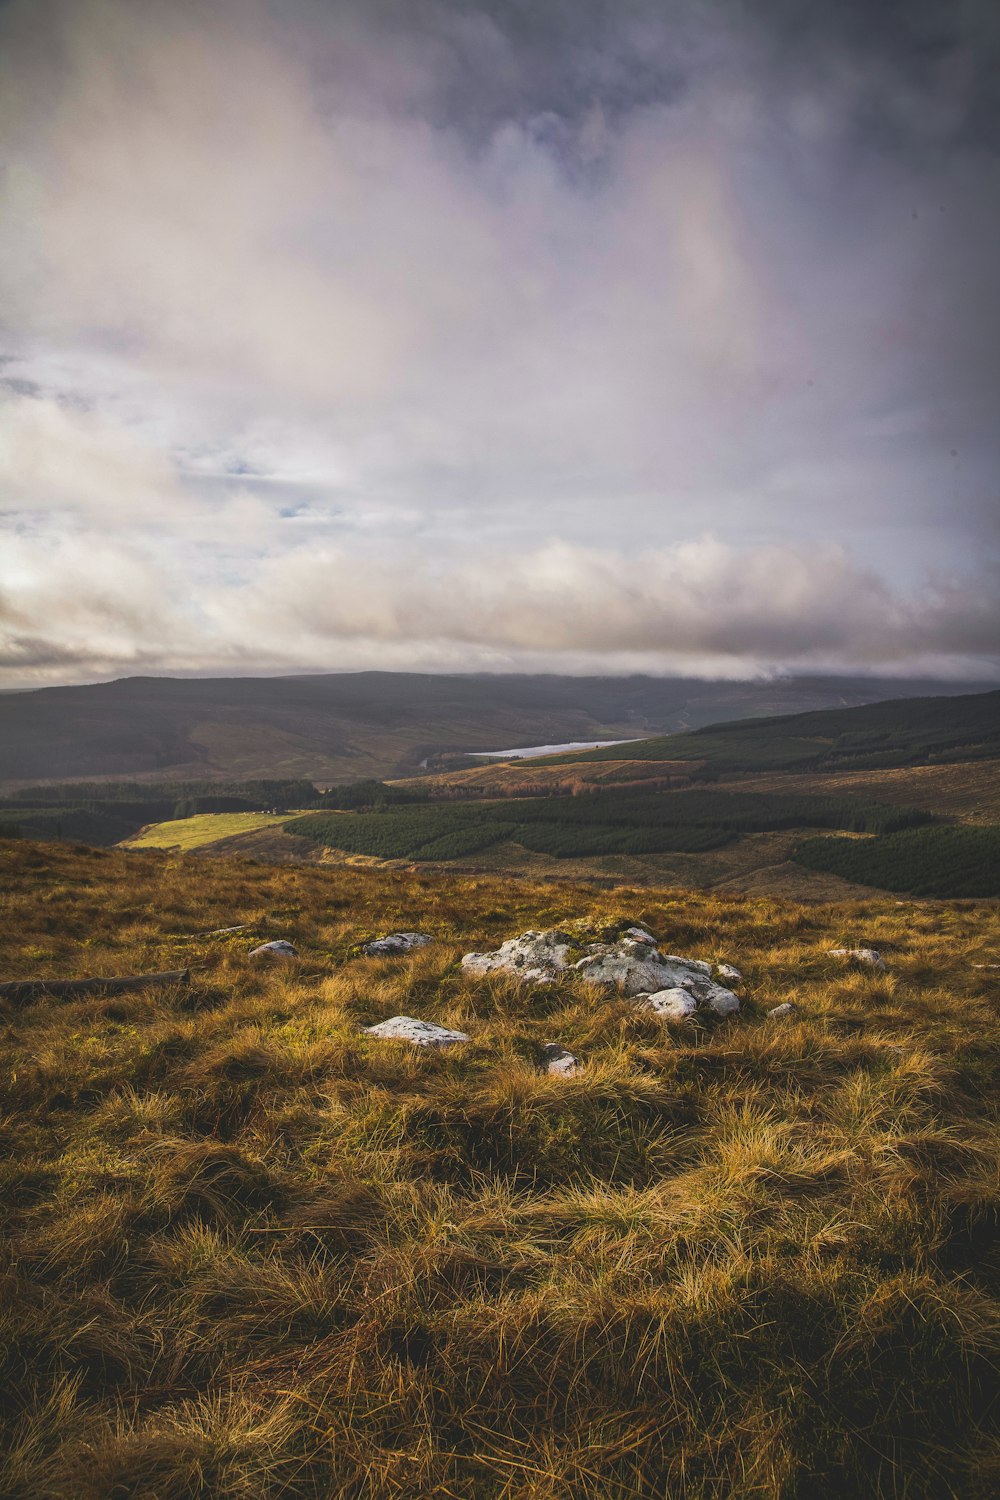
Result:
[189,937]
[31,989]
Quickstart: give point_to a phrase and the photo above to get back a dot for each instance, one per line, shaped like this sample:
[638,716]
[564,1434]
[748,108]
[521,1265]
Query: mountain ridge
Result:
[337,726]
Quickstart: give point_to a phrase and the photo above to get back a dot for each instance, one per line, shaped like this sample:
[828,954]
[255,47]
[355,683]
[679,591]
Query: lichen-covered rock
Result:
[535,957]
[787,1009]
[632,964]
[393,943]
[671,1005]
[869,957]
[420,1033]
[559,1062]
[274,952]
[729,973]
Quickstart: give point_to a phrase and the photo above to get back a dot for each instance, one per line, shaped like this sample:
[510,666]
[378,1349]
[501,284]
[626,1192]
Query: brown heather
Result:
[249,1252]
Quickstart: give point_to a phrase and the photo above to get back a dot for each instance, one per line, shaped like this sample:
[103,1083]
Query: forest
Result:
[938,861]
[606,822]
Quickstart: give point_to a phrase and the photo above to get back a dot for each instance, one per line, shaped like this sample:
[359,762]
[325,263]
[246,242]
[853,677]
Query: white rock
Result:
[868,956]
[535,957]
[788,1009]
[633,965]
[395,942]
[558,1062]
[986,966]
[276,950]
[639,935]
[671,1005]
[720,1001]
[729,973]
[420,1033]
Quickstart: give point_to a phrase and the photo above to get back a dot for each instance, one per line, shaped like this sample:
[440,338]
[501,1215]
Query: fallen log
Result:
[31,989]
[189,937]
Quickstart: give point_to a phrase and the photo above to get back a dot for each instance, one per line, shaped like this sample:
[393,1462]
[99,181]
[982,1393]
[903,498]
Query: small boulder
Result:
[671,1005]
[787,1009]
[274,952]
[729,973]
[869,957]
[558,1062]
[535,957]
[420,1033]
[394,943]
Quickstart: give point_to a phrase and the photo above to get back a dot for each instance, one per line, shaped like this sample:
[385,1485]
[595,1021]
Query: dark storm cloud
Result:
[557,334]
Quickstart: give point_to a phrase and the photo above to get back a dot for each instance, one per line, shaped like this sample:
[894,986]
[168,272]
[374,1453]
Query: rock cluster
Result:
[633,964]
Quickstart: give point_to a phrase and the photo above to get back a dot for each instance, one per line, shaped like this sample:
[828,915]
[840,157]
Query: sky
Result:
[542,335]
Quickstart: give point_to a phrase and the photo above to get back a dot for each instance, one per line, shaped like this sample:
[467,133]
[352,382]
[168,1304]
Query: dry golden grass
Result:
[249,1252]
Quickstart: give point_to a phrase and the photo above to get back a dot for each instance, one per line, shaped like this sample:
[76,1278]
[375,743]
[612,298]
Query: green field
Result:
[202,830]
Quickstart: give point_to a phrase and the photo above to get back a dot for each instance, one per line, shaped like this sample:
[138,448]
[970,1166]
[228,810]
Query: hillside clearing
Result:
[203,829]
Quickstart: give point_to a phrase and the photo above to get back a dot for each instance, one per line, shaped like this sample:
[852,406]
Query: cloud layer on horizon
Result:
[591,337]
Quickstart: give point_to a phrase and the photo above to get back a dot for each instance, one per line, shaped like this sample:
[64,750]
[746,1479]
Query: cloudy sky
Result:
[576,335]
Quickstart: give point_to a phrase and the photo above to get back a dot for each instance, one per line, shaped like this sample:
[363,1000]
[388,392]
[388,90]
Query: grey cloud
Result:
[437,275]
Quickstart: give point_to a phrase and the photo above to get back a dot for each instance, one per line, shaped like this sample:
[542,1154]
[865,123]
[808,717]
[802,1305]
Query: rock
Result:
[274,951]
[535,957]
[640,969]
[639,935]
[986,966]
[729,973]
[558,1062]
[672,1005]
[632,964]
[395,942]
[789,1008]
[870,957]
[720,1001]
[420,1033]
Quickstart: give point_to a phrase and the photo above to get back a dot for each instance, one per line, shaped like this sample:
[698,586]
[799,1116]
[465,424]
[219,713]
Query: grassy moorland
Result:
[250,1252]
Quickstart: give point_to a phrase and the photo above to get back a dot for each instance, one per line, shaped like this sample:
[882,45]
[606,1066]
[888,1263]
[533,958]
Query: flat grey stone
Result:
[870,957]
[420,1033]
[395,942]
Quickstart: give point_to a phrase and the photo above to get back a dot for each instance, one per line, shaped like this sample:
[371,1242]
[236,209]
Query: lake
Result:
[525,753]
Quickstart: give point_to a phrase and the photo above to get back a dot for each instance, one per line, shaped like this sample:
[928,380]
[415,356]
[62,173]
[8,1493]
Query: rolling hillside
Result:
[255,1251]
[352,725]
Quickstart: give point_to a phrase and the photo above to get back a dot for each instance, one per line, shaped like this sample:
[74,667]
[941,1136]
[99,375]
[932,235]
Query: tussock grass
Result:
[250,1252]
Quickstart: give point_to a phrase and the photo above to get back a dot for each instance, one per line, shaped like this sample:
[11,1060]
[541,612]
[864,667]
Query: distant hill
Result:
[907,732]
[342,726]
